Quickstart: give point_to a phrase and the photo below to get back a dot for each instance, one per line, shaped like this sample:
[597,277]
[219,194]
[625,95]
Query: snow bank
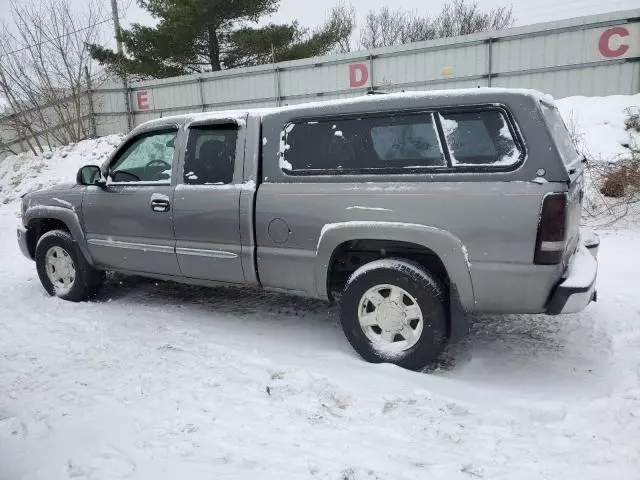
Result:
[27,172]
[599,124]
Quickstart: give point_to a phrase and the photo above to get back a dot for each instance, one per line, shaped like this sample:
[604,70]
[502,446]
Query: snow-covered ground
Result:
[26,172]
[598,124]
[162,381]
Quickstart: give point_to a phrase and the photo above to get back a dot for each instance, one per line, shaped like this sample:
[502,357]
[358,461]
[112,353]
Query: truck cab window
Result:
[148,158]
[210,155]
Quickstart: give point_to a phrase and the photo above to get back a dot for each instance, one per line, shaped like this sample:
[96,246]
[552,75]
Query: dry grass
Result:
[613,190]
[621,179]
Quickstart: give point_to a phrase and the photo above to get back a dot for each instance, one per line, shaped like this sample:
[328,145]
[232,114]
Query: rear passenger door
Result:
[206,203]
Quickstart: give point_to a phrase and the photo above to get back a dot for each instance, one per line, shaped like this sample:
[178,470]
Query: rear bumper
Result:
[22,242]
[578,287]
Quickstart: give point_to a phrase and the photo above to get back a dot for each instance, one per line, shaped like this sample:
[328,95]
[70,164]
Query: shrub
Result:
[632,122]
[621,179]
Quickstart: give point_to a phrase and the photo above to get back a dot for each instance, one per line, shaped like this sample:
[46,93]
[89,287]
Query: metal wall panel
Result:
[221,90]
[616,79]
[560,49]
[170,97]
[562,58]
[313,80]
[109,124]
[430,66]
[109,101]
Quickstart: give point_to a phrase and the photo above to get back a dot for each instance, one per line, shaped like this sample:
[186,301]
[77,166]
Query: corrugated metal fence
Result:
[597,55]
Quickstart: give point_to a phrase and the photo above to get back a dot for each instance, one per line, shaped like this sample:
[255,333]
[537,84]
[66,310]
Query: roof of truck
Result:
[364,100]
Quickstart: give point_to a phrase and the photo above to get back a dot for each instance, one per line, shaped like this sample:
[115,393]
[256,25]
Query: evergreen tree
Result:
[193,36]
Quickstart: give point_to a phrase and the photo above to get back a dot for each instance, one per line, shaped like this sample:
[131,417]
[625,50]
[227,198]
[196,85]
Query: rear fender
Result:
[448,247]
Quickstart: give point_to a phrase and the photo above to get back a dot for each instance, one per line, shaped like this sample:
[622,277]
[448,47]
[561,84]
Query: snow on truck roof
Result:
[239,114]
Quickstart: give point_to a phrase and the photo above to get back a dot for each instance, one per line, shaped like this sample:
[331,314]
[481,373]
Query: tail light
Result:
[552,228]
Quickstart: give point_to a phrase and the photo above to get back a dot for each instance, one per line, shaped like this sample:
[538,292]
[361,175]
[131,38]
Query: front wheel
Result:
[63,270]
[393,311]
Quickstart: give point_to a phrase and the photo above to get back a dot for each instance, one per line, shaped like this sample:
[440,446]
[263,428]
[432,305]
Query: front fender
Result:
[447,246]
[66,216]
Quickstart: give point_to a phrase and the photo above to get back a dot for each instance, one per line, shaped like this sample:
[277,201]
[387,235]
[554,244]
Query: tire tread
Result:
[427,286]
[88,279]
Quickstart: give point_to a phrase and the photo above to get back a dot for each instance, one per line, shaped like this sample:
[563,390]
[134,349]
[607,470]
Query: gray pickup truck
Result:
[404,207]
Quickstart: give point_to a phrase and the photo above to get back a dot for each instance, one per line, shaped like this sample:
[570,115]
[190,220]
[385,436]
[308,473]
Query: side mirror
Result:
[90,175]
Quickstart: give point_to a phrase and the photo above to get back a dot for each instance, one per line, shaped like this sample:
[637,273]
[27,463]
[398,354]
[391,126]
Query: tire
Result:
[86,279]
[376,331]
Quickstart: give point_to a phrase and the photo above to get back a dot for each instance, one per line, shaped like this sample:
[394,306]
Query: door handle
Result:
[160,206]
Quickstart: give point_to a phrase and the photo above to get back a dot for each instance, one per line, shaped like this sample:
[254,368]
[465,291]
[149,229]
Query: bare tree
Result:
[462,18]
[387,27]
[43,60]
[342,21]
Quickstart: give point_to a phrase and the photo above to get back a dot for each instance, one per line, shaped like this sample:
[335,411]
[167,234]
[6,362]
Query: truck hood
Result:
[65,195]
[70,186]
[67,186]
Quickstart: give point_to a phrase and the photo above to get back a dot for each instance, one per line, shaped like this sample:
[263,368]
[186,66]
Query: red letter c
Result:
[605,40]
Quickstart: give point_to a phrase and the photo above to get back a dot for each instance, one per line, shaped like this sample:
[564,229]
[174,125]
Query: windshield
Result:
[561,137]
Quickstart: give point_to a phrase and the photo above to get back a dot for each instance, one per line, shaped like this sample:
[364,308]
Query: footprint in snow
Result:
[104,466]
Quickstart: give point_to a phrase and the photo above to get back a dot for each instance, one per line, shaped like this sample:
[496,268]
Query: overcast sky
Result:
[313,12]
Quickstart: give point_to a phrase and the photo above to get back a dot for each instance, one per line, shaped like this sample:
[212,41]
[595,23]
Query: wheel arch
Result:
[447,250]
[42,219]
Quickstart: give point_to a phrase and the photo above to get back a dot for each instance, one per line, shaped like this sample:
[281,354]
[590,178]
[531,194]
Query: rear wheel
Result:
[393,311]
[63,270]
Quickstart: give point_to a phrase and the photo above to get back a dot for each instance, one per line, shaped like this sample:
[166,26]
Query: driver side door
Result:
[129,222]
